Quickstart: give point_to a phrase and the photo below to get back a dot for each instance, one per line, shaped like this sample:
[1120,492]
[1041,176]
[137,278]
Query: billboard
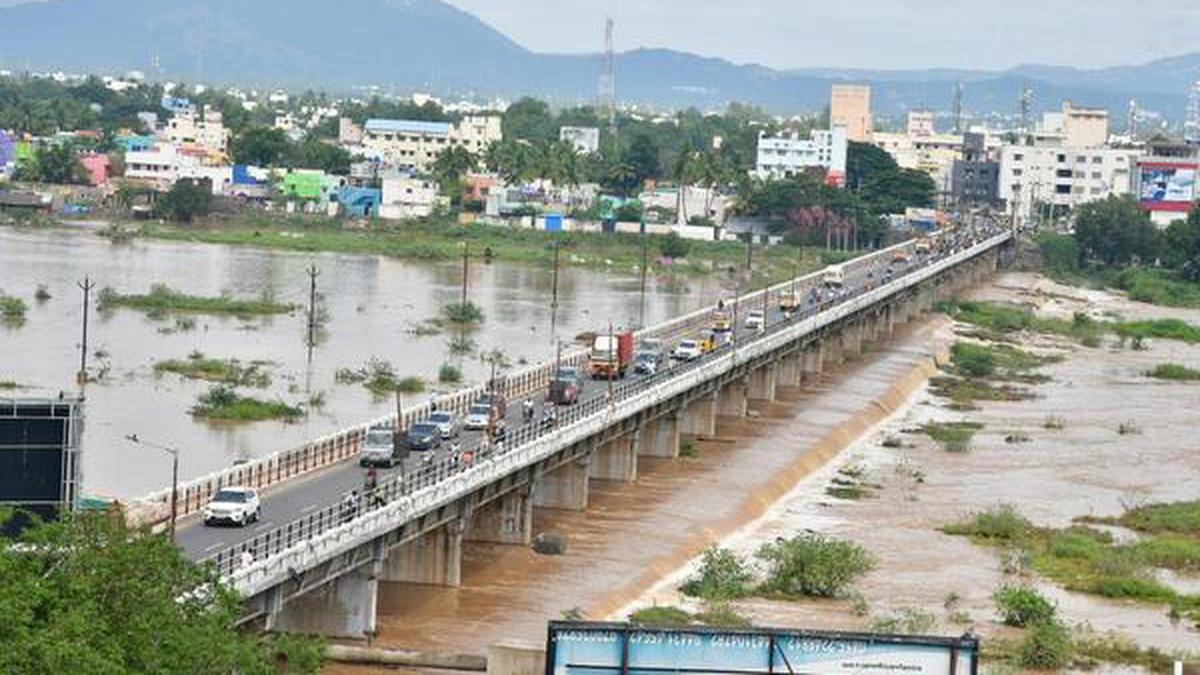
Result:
[1167,185]
[577,648]
[39,462]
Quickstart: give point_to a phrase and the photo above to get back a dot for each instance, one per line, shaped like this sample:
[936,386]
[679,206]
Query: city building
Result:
[406,197]
[414,146]
[1166,181]
[920,123]
[790,155]
[932,153]
[586,140]
[163,165]
[1059,179]
[974,179]
[206,134]
[97,167]
[850,108]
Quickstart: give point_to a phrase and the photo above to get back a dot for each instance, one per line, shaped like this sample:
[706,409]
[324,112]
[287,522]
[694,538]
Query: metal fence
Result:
[443,472]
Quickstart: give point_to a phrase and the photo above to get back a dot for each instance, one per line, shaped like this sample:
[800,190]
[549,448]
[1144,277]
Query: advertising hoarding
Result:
[575,648]
[39,463]
[1167,185]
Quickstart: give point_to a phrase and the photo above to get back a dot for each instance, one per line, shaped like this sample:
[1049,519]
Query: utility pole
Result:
[313,273]
[554,296]
[174,452]
[466,271]
[615,360]
[86,286]
[645,264]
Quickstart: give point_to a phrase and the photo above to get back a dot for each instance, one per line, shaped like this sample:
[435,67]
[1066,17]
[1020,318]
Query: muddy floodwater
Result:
[1087,468]
[373,303]
[634,534]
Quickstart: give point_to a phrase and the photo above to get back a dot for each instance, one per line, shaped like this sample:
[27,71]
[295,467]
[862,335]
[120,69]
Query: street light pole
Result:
[174,452]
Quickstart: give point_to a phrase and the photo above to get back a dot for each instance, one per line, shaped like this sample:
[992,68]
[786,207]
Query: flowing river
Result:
[372,306]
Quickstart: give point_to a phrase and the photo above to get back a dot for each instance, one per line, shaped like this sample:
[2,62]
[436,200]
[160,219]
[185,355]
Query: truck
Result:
[611,356]
[835,277]
[721,321]
[790,302]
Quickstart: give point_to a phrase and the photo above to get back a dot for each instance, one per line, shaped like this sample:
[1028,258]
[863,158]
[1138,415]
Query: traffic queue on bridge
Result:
[614,355]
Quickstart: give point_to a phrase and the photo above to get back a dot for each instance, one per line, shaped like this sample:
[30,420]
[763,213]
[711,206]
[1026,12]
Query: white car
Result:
[687,350]
[478,417]
[756,322]
[235,505]
[446,423]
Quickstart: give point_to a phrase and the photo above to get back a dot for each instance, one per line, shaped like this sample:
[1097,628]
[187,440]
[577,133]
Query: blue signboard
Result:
[576,648]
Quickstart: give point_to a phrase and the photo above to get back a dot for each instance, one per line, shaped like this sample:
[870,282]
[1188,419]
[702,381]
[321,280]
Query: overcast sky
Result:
[859,33]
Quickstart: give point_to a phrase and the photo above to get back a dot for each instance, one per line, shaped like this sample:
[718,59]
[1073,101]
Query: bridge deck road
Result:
[295,499]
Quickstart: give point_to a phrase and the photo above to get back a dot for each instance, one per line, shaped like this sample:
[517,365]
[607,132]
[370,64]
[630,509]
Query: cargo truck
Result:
[611,356]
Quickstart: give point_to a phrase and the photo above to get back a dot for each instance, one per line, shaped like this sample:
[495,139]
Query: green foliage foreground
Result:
[89,595]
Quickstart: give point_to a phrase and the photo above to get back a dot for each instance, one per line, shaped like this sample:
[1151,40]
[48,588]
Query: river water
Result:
[373,304]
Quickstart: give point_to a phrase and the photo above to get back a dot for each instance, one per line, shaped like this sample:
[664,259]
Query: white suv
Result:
[756,322]
[236,505]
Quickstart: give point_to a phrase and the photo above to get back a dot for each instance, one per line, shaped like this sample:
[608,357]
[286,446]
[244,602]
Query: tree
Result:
[260,146]
[314,154]
[89,595]
[1116,231]
[529,120]
[1181,240]
[452,164]
[629,212]
[865,161]
[186,200]
[674,246]
[894,191]
[621,178]
[56,163]
[642,156]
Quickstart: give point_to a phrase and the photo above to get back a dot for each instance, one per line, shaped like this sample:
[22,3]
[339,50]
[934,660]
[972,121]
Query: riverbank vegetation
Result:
[1089,560]
[8,384]
[380,378]
[987,372]
[222,403]
[1002,323]
[163,300]
[230,372]
[1114,245]
[100,597]
[1174,371]
[718,615]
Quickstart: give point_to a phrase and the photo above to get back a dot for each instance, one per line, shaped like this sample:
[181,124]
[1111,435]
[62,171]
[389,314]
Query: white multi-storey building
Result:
[1062,177]
[790,155]
[414,146]
[207,134]
[585,140]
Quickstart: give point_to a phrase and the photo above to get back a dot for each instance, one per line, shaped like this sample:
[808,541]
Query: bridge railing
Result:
[231,561]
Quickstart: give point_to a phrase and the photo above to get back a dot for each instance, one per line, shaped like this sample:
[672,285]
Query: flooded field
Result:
[635,534]
[372,306]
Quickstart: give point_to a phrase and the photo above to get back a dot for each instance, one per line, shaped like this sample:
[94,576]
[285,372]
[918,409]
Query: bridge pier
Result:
[344,608]
[812,362]
[507,520]
[660,437]
[432,559]
[616,459]
[732,402]
[851,339]
[699,418]
[563,488]
[763,383]
[790,370]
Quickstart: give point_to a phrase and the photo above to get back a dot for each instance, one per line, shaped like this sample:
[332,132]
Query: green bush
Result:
[812,565]
[449,374]
[722,576]
[463,313]
[674,246]
[1174,371]
[1060,252]
[721,615]
[661,616]
[1047,646]
[1022,606]
[411,385]
[973,360]
[1177,517]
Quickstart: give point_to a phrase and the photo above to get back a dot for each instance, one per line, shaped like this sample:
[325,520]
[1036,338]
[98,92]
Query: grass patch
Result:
[952,436]
[222,403]
[162,300]
[665,616]
[1089,561]
[718,614]
[8,385]
[225,371]
[1022,606]
[1174,371]
[904,621]
[12,310]
[722,576]
[964,392]
[450,374]
[688,450]
[1173,518]
[1164,329]
[380,378]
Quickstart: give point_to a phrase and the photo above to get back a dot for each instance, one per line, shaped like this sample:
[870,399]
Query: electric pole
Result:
[86,286]
[466,271]
[554,296]
[645,264]
[313,273]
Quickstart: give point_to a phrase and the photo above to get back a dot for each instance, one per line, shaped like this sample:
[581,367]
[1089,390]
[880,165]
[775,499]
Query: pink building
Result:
[97,167]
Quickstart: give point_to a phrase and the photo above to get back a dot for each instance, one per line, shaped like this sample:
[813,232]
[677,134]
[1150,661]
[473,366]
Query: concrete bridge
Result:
[319,572]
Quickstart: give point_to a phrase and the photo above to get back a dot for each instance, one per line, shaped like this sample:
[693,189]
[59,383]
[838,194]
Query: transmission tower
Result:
[1191,127]
[958,107]
[608,83]
[1026,106]
[1131,121]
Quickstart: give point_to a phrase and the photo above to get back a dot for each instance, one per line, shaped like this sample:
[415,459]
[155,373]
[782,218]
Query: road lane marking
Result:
[310,507]
[214,547]
[264,526]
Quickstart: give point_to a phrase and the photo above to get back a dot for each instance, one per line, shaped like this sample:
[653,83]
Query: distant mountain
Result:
[431,46]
